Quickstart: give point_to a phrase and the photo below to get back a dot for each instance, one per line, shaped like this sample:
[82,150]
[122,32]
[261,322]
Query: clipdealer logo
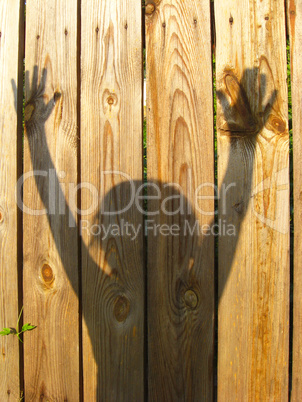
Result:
[101,217]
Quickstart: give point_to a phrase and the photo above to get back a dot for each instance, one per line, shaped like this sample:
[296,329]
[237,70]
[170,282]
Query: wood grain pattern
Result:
[253,316]
[295,30]
[180,151]
[111,140]
[51,351]
[9,71]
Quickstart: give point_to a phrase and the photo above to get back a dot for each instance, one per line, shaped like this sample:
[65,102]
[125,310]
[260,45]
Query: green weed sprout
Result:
[15,331]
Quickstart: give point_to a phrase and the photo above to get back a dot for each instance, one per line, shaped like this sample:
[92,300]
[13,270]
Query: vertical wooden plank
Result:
[180,159]
[10,25]
[295,30]
[253,316]
[111,141]
[51,351]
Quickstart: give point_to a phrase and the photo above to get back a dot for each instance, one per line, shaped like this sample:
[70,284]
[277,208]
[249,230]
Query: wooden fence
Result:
[133,294]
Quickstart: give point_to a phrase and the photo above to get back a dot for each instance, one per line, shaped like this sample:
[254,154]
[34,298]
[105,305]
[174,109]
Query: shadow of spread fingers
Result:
[42,84]
[223,100]
[27,84]
[269,106]
[34,84]
[15,92]
[50,105]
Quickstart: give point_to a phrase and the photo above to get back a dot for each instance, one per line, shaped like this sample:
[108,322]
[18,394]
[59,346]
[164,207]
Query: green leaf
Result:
[5,331]
[19,338]
[28,327]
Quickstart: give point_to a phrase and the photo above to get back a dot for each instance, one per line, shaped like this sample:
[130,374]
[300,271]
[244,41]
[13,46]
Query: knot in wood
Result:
[191,299]
[47,274]
[56,96]
[150,8]
[28,112]
[239,206]
[1,217]
[278,124]
[121,308]
[110,100]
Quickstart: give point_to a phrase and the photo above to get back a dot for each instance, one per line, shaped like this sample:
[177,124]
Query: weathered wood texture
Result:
[9,106]
[295,30]
[180,150]
[51,351]
[253,321]
[83,120]
[111,153]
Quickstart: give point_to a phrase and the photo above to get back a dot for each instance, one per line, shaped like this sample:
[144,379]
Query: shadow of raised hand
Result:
[37,110]
[109,319]
[240,118]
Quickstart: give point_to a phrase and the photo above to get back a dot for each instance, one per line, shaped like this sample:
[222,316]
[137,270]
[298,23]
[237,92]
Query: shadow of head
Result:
[161,212]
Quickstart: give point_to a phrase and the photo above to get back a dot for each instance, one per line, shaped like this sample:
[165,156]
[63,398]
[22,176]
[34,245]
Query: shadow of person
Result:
[117,319]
